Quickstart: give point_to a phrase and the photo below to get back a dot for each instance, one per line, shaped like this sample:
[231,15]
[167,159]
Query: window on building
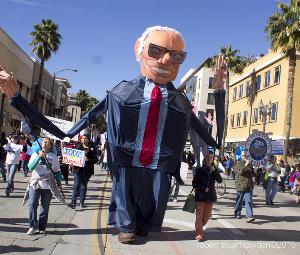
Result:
[210,99]
[199,82]
[255,115]
[210,82]
[232,120]
[234,94]
[258,82]
[277,74]
[247,88]
[245,118]
[241,91]
[238,119]
[267,78]
[274,111]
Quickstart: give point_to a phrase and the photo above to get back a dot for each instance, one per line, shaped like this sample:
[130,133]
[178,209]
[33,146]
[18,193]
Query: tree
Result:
[46,40]
[283,30]
[235,64]
[100,122]
[82,98]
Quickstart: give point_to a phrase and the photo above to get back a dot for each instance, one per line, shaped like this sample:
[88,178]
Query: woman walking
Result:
[204,184]
[41,164]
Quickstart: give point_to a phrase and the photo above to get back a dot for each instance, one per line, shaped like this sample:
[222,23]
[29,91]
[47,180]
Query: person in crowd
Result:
[296,190]
[271,177]
[175,183]
[283,175]
[3,141]
[259,174]
[26,154]
[83,174]
[13,154]
[205,195]
[190,159]
[63,167]
[228,167]
[41,164]
[244,187]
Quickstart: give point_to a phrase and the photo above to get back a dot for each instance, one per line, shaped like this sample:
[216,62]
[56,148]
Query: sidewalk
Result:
[68,231]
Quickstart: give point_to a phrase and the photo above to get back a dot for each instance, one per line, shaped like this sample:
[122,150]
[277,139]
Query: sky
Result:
[98,36]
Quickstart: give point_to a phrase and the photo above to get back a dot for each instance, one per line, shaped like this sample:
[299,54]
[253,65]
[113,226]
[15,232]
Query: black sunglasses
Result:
[156,51]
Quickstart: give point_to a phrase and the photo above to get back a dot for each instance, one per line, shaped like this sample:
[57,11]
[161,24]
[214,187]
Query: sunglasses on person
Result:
[156,51]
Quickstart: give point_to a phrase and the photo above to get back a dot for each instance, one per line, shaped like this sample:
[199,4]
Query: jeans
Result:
[11,170]
[34,196]
[25,166]
[80,187]
[247,196]
[271,190]
[2,168]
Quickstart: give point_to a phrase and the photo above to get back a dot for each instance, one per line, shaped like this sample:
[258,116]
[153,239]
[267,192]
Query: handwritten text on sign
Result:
[73,157]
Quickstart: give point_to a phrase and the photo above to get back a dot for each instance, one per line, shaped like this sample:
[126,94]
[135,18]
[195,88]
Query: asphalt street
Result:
[276,229]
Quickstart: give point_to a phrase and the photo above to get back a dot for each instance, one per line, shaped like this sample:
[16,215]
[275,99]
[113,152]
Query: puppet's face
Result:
[162,67]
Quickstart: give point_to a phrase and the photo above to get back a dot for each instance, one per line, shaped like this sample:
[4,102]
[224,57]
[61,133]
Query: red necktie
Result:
[149,140]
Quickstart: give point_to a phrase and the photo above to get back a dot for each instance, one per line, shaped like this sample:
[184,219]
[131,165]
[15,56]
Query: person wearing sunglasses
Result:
[148,124]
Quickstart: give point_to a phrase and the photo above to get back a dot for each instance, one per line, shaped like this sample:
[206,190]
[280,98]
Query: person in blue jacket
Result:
[148,123]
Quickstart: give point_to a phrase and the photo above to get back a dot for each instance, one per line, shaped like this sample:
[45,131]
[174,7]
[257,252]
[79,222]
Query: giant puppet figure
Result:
[148,123]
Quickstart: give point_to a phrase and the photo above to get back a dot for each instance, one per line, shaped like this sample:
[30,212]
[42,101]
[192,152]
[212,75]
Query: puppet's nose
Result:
[166,59]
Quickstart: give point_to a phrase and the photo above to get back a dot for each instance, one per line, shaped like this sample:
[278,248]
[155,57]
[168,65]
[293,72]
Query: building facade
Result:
[74,110]
[258,101]
[26,71]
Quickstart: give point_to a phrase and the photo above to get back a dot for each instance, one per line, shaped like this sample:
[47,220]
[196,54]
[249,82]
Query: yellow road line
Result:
[103,224]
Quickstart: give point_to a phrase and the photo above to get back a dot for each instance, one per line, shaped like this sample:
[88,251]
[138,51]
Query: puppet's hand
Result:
[221,73]
[8,83]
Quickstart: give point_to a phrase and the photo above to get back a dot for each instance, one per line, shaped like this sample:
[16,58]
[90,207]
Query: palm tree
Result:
[82,98]
[235,64]
[251,97]
[46,40]
[283,29]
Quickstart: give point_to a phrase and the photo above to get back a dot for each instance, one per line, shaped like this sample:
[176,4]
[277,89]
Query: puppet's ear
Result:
[136,46]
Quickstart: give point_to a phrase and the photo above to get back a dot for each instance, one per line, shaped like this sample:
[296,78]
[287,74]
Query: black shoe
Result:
[82,205]
[267,203]
[72,205]
[4,178]
[140,232]
[271,202]
[6,193]
[237,216]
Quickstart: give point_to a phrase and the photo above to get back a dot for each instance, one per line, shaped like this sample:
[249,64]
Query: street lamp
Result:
[264,111]
[54,75]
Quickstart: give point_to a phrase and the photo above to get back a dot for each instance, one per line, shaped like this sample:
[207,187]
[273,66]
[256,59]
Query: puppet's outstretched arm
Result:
[27,109]
[203,132]
[88,118]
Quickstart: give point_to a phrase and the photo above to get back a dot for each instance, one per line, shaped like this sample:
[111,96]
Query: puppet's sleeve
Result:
[202,132]
[89,118]
[30,111]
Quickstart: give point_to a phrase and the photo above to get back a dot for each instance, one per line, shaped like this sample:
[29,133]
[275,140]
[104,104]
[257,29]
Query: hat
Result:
[85,132]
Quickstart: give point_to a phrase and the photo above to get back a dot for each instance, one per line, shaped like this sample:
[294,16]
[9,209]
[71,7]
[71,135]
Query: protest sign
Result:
[63,125]
[258,148]
[73,157]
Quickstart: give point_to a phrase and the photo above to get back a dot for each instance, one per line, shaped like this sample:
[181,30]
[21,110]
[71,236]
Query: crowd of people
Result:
[43,161]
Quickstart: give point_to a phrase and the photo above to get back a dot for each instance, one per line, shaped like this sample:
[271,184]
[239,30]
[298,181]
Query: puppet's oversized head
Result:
[160,51]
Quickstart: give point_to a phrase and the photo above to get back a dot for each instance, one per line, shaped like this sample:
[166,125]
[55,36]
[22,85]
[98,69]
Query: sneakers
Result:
[72,205]
[126,238]
[42,232]
[237,216]
[250,220]
[31,231]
